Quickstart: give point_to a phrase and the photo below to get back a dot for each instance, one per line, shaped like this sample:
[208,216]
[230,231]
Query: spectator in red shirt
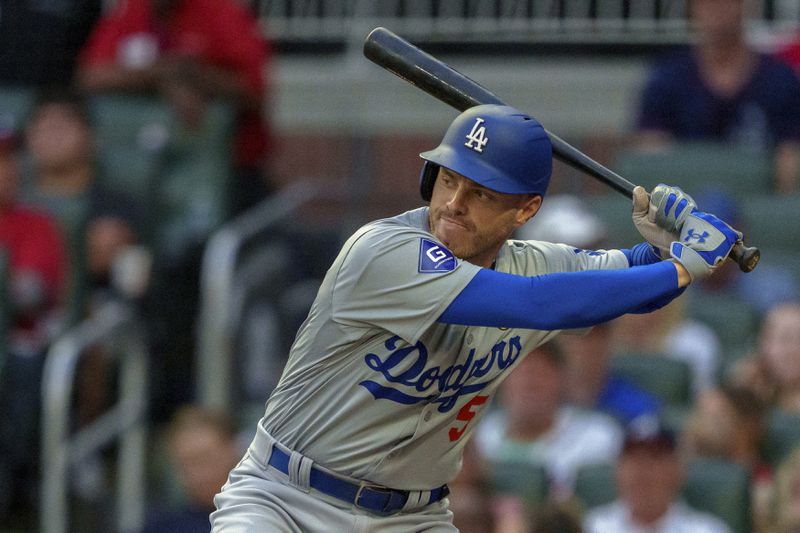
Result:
[191,52]
[36,261]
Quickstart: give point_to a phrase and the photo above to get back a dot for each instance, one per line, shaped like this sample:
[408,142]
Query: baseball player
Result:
[419,319]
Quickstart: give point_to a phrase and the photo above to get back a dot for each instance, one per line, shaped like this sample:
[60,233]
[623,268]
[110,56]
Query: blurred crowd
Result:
[685,419]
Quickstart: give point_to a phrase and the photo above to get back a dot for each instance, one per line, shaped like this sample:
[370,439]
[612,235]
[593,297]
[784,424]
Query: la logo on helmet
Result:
[477,135]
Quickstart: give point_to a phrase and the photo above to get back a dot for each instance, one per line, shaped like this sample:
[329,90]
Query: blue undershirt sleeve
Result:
[641,254]
[561,300]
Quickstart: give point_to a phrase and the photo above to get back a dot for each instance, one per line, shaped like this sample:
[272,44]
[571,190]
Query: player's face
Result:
[473,221]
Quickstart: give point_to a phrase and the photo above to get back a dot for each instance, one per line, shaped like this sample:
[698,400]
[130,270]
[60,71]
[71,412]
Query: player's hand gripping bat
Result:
[450,86]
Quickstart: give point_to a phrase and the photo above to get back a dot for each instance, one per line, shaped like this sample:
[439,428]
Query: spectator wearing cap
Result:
[649,476]
[37,270]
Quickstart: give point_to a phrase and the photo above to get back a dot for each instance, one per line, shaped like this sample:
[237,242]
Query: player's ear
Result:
[529,207]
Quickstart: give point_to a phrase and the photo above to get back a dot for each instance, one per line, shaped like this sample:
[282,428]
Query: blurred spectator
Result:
[786,505]
[534,425]
[470,495]
[591,384]
[667,332]
[552,517]
[203,448]
[729,423]
[649,475]
[566,219]
[40,40]
[773,371]
[723,90]
[191,52]
[790,53]
[37,271]
[760,289]
[66,179]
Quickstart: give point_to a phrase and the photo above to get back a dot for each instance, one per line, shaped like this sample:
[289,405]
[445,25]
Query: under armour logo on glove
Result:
[477,135]
[692,235]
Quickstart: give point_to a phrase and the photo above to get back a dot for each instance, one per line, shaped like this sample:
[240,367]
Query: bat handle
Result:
[746,256]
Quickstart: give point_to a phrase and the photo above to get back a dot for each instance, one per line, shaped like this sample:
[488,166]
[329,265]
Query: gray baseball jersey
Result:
[375,388]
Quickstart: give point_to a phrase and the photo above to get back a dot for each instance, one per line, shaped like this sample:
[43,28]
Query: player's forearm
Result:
[562,300]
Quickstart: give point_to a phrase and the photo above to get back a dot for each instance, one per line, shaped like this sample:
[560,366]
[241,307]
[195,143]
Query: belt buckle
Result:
[376,488]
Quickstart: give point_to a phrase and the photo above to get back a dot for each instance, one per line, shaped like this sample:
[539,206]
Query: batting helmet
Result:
[497,146]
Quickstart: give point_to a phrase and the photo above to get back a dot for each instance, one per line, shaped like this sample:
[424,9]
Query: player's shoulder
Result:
[409,225]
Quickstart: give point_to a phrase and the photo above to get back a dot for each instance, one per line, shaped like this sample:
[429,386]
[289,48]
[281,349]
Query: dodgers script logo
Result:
[410,380]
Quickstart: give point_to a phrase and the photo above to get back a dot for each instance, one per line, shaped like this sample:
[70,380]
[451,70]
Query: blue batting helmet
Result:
[497,146]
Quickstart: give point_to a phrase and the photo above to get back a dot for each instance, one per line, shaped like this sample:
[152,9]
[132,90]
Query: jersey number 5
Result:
[465,415]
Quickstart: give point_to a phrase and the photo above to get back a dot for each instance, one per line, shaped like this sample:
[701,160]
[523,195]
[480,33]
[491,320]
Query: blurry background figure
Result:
[203,449]
[33,248]
[773,371]
[649,475]
[470,495]
[566,219]
[729,423]
[591,383]
[533,425]
[667,332]
[66,180]
[40,39]
[722,90]
[785,516]
[553,517]
[191,53]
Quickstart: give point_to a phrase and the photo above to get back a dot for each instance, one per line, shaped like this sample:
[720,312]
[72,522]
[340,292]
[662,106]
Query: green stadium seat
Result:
[783,435]
[734,322]
[521,478]
[132,132]
[772,221]
[595,485]
[194,185]
[615,212]
[721,488]
[669,379]
[15,104]
[693,166]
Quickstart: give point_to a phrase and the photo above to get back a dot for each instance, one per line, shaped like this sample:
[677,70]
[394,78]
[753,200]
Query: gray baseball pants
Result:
[260,498]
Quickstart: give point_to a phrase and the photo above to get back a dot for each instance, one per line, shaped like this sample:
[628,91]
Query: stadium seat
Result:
[132,133]
[772,221]
[721,488]
[595,485]
[15,103]
[669,379]
[783,435]
[694,165]
[615,211]
[521,478]
[734,322]
[194,184]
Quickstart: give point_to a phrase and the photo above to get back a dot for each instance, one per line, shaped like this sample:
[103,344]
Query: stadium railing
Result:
[117,327]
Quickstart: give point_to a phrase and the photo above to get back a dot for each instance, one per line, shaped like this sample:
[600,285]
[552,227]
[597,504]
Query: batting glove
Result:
[658,218]
[704,244]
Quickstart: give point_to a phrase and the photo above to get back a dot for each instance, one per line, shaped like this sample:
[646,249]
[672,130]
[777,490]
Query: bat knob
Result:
[747,257]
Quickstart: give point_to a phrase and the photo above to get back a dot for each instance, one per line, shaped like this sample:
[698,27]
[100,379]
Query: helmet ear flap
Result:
[427,178]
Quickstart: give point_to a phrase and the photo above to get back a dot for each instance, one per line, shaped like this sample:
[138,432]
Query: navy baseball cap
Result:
[649,431]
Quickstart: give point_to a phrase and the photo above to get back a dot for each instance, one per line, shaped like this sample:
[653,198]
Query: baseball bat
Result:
[445,83]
